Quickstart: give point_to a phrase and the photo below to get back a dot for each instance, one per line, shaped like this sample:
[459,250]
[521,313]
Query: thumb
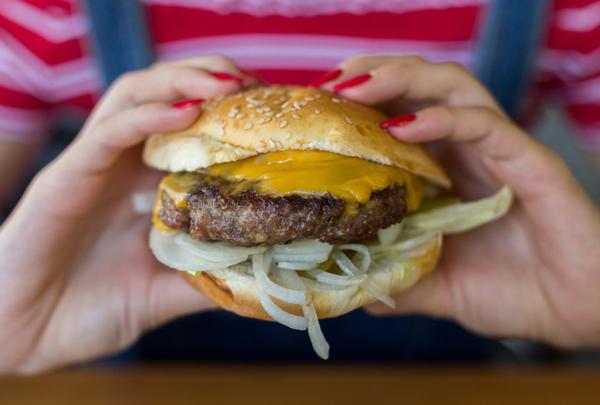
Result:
[430,296]
[171,297]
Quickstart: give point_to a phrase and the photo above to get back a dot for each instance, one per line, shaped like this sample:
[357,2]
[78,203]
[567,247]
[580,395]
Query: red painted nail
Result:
[255,75]
[181,104]
[355,81]
[327,77]
[398,121]
[226,76]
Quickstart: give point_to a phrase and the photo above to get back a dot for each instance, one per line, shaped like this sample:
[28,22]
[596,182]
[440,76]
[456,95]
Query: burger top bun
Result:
[234,289]
[275,118]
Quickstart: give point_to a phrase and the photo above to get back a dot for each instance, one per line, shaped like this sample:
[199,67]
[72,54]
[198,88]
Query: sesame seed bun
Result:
[234,289]
[277,118]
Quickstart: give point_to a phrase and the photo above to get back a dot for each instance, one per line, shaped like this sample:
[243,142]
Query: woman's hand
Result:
[77,279]
[536,272]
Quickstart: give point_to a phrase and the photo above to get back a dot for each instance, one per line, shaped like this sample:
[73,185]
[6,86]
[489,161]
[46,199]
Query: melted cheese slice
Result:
[350,179]
[314,172]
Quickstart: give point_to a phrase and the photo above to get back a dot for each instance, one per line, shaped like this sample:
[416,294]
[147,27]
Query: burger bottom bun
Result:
[235,290]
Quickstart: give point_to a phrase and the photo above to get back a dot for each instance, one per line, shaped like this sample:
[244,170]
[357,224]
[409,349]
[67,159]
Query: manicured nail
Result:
[355,81]
[255,75]
[398,121]
[226,76]
[327,77]
[181,104]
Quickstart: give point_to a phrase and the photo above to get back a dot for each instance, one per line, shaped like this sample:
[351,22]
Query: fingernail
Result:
[398,121]
[355,81]
[327,77]
[181,104]
[226,76]
[255,75]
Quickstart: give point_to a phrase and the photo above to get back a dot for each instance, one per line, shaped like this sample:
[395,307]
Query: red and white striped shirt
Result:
[46,66]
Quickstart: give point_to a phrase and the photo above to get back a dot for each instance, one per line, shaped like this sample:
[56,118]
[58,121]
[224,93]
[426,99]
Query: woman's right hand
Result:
[77,278]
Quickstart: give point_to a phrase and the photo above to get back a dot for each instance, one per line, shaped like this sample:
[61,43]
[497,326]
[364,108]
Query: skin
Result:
[536,272]
[16,161]
[78,280]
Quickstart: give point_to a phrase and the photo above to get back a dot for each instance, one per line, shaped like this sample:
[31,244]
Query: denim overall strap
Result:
[120,38]
[511,34]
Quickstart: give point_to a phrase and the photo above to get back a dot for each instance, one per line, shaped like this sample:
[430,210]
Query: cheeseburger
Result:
[292,204]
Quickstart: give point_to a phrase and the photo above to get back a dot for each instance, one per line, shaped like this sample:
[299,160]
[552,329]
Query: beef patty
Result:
[220,210]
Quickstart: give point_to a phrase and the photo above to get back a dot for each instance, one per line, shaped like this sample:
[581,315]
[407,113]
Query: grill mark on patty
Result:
[217,210]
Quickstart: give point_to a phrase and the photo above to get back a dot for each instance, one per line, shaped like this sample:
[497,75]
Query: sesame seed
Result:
[302,103]
[317,96]
[296,116]
[269,113]
[283,124]
[263,121]
[279,115]
[348,120]
[252,115]
[240,116]
[336,100]
[317,111]
[248,125]
[297,105]
[308,98]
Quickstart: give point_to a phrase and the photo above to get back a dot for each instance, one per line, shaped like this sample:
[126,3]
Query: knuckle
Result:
[411,60]
[454,68]
[215,61]
[439,112]
[362,62]
[127,79]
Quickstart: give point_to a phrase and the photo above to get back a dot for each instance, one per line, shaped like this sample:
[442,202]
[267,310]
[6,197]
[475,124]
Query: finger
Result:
[216,64]
[431,296]
[512,157]
[350,68]
[210,63]
[170,297]
[416,81]
[161,85]
[98,148]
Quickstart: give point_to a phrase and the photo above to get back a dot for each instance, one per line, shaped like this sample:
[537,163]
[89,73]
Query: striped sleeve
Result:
[573,56]
[24,116]
[42,65]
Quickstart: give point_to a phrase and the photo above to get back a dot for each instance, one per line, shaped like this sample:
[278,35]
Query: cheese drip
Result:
[350,179]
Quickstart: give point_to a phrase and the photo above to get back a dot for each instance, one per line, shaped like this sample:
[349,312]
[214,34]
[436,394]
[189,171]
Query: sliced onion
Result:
[317,339]
[319,343]
[362,249]
[173,255]
[309,250]
[389,235]
[462,216]
[143,201]
[334,279]
[297,266]
[292,279]
[379,294]
[345,264]
[260,269]
[415,242]
[216,251]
